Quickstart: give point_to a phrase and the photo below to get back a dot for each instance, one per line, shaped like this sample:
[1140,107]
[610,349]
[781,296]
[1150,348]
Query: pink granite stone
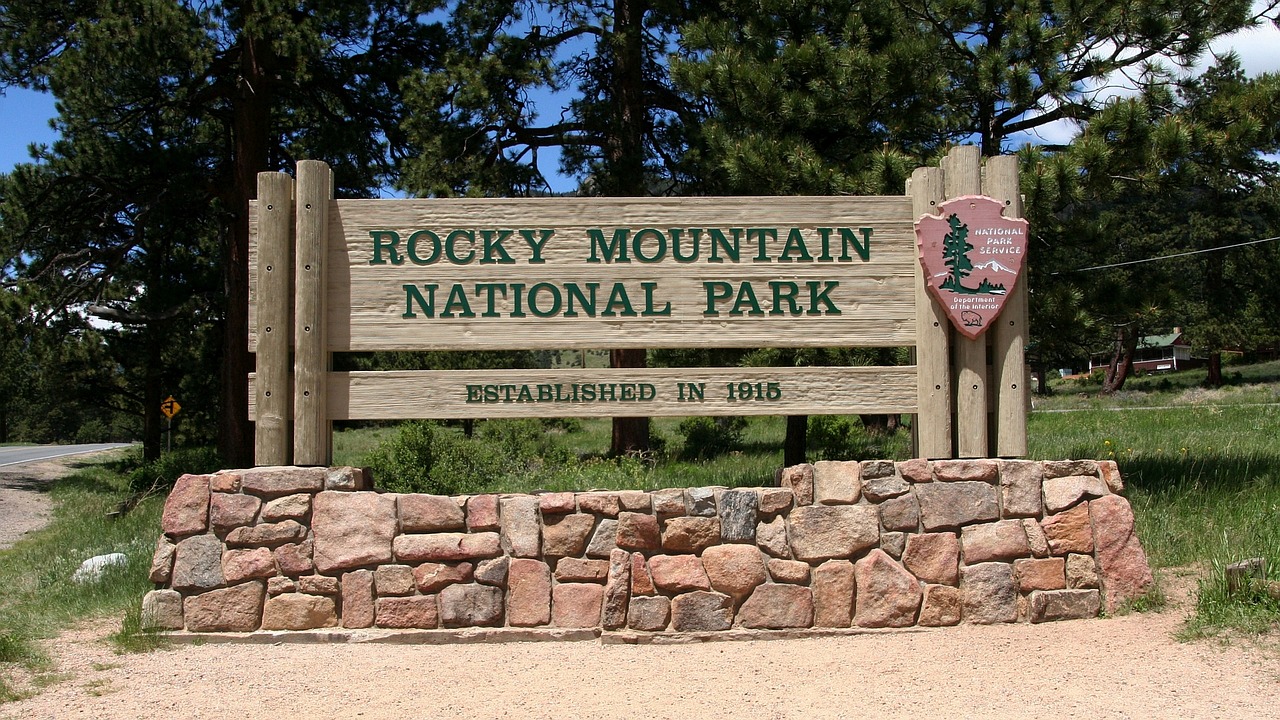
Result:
[528,593]
[576,605]
[415,611]
[351,529]
[186,510]
[1070,531]
[888,595]
[241,565]
[637,531]
[227,512]
[734,570]
[777,607]
[678,573]
[1122,563]
[833,592]
[357,599]
[933,557]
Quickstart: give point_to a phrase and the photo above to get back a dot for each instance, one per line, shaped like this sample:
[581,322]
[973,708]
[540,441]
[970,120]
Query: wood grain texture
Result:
[312,429]
[1009,337]
[876,297]
[963,176]
[272,438]
[442,394]
[933,331]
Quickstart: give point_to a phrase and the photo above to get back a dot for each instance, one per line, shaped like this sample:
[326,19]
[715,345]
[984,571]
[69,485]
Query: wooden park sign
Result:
[332,276]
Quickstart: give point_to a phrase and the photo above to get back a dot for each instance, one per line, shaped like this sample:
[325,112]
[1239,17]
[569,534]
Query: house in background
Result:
[1156,353]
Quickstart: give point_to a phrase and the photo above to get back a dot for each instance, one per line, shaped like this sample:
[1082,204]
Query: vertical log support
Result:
[1009,337]
[962,175]
[967,409]
[274,308]
[312,428]
[933,330]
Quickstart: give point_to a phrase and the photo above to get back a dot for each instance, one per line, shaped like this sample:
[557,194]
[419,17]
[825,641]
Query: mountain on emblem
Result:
[968,252]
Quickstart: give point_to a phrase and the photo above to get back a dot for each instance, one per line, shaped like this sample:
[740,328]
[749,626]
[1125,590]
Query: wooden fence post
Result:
[1009,338]
[962,175]
[274,308]
[933,331]
[312,428]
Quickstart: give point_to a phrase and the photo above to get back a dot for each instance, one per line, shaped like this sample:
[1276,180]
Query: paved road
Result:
[31,453]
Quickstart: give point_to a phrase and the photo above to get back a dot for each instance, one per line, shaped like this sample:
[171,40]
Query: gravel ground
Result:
[24,496]
[1125,667]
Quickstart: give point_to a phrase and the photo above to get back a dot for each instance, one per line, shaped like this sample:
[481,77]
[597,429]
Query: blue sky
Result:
[25,115]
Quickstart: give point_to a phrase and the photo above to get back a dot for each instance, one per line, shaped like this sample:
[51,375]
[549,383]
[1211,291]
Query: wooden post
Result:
[933,329]
[1009,337]
[962,176]
[274,306]
[312,428]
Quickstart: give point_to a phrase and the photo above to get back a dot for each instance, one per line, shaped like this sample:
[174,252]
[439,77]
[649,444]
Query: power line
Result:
[1168,257]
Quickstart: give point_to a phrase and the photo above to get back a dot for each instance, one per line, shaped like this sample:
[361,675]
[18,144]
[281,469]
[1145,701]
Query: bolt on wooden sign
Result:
[972,256]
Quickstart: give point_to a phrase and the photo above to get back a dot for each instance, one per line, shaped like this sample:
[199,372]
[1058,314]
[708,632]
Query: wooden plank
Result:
[312,429]
[274,299]
[933,329]
[962,176]
[875,297]
[1009,337]
[443,394]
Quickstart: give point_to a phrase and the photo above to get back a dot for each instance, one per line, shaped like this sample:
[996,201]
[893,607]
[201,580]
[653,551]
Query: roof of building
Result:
[1156,341]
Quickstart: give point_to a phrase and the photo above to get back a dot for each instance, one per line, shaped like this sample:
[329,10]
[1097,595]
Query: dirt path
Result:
[1127,667]
[24,497]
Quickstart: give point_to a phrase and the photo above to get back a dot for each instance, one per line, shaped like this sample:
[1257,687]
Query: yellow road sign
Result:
[170,407]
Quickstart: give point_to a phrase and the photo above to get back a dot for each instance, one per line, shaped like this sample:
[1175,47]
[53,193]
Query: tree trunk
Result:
[152,438]
[1214,380]
[1121,364]
[630,434]
[250,128]
[1042,379]
[624,151]
[793,448]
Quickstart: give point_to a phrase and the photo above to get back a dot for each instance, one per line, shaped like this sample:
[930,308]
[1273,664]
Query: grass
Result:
[1204,481]
[37,597]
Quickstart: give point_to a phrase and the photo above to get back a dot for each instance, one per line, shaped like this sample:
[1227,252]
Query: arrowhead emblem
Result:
[972,258]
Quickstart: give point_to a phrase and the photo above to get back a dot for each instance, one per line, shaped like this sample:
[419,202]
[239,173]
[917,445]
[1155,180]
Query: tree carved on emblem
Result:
[955,253]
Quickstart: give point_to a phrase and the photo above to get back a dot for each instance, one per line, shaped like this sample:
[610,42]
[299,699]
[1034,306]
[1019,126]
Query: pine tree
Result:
[955,253]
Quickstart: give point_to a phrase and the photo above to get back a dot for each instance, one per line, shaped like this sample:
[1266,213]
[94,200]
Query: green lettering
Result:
[784,292]
[517,297]
[718,240]
[613,251]
[536,245]
[675,244]
[588,305]
[457,304]
[452,252]
[795,240]
[637,247]
[493,246]
[413,247]
[618,296]
[385,240]
[427,304]
[716,291]
[533,300]
[863,248]
[816,297]
[649,287]
[475,393]
[763,235]
[746,298]
[489,289]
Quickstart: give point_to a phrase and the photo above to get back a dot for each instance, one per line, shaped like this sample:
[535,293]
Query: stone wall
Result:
[837,545]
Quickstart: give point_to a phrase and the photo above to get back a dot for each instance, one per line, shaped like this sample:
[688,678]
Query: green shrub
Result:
[162,473]
[403,463]
[706,437]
